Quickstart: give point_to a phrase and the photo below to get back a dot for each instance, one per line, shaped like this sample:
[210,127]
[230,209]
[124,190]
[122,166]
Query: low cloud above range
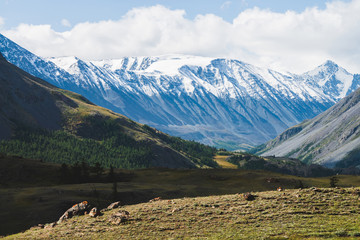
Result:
[284,41]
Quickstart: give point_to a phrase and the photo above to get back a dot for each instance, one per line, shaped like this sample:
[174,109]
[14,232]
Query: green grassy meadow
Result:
[316,213]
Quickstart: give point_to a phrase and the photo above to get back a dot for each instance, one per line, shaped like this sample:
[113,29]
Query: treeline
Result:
[119,151]
[85,173]
[281,165]
[197,152]
[97,140]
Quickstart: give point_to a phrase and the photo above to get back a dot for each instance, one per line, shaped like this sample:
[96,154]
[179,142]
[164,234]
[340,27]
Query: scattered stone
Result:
[119,217]
[76,210]
[155,199]
[315,189]
[272,180]
[114,205]
[249,197]
[50,225]
[280,189]
[40,225]
[94,212]
[175,210]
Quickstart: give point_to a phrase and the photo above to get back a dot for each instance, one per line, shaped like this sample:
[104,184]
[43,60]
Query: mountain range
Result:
[221,102]
[41,121]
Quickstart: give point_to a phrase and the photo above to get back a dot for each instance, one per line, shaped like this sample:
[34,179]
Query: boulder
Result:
[94,212]
[114,205]
[155,199]
[249,197]
[50,225]
[120,217]
[76,210]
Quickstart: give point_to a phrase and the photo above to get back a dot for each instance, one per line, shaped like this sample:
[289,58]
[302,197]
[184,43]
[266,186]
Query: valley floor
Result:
[296,214]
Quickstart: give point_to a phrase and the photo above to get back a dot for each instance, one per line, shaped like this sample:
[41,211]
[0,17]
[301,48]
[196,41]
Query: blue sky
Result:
[50,12]
[285,35]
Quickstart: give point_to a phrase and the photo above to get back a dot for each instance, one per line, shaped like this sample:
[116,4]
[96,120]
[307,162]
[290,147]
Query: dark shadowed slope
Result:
[25,99]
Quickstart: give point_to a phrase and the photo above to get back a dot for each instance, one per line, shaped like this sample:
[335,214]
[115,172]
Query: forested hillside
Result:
[41,121]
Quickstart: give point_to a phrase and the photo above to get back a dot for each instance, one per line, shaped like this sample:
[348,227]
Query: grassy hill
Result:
[290,214]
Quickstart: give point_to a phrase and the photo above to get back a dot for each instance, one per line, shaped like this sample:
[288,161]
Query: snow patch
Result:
[170,64]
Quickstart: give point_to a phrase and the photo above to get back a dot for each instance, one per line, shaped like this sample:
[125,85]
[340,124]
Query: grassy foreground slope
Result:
[295,214]
[31,192]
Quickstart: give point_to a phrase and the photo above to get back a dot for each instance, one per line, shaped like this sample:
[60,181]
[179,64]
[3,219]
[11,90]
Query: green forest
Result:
[62,147]
[98,141]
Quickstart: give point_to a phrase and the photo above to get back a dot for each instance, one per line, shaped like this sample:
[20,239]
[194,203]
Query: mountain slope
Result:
[220,102]
[39,120]
[24,97]
[327,139]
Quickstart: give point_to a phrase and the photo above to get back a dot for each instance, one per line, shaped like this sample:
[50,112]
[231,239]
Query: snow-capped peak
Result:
[163,64]
[333,79]
[65,63]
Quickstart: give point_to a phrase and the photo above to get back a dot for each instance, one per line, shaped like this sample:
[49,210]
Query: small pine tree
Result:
[114,191]
[76,173]
[84,171]
[98,170]
[334,181]
[111,175]
[299,184]
[65,176]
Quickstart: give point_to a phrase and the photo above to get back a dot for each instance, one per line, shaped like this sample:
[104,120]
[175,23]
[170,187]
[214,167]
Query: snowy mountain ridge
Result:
[222,102]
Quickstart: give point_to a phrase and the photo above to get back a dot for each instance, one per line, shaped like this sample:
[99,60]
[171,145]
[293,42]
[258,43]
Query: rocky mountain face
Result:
[39,120]
[221,102]
[330,139]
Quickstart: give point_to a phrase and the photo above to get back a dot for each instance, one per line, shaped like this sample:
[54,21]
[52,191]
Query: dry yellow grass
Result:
[221,160]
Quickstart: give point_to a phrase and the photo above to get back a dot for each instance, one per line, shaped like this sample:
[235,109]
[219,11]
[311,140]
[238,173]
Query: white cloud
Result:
[226,5]
[65,23]
[284,41]
[2,21]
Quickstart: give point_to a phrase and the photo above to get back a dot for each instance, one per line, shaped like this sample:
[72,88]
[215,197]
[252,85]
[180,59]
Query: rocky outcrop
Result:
[76,210]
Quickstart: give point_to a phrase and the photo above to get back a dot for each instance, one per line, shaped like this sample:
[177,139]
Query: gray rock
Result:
[114,205]
[120,217]
[94,212]
[76,210]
